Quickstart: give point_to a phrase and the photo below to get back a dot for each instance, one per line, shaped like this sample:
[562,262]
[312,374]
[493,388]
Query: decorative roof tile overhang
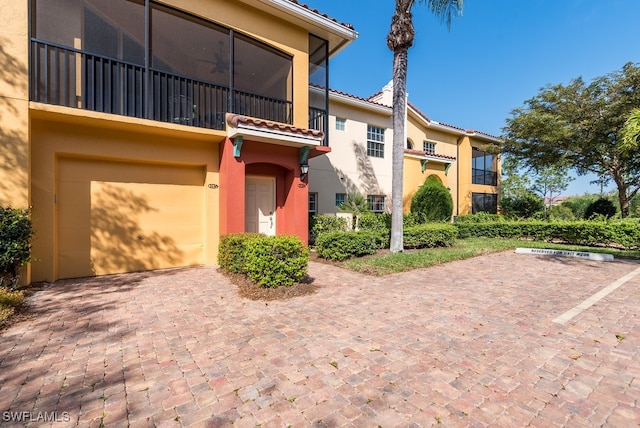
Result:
[338,34]
[430,157]
[240,127]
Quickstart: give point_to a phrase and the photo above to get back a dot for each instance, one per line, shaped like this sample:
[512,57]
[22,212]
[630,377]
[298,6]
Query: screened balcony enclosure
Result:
[145,60]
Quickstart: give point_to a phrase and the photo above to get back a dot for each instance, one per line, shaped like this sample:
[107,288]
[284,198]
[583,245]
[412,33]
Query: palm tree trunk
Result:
[400,60]
[399,40]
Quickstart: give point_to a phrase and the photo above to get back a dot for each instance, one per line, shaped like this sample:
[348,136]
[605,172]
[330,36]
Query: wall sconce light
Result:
[304,170]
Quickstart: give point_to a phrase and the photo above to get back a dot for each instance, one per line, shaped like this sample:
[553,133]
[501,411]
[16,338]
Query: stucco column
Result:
[232,190]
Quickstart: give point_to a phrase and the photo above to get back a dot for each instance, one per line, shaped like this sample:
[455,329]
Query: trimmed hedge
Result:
[272,261]
[590,233]
[231,252]
[269,261]
[343,245]
[430,235]
[480,217]
[322,223]
[16,231]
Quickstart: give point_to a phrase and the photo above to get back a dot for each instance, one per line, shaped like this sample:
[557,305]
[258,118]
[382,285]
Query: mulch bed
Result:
[249,290]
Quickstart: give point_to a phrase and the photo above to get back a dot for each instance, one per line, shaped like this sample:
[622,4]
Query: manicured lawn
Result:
[383,264]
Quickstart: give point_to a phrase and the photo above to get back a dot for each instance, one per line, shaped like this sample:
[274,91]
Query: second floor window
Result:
[483,168]
[429,147]
[376,203]
[340,198]
[340,123]
[375,141]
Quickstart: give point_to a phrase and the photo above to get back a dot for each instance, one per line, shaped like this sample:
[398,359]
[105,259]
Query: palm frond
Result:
[446,10]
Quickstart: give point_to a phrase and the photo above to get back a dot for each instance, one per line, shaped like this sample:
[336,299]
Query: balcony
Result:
[73,78]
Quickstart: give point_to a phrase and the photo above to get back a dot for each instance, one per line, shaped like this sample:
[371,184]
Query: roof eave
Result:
[338,35]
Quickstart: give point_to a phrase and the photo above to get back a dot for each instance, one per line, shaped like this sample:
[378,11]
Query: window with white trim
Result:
[375,141]
[376,203]
[313,203]
[340,123]
[429,147]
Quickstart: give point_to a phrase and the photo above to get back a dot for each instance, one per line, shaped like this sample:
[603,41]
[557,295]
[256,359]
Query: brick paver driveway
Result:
[470,343]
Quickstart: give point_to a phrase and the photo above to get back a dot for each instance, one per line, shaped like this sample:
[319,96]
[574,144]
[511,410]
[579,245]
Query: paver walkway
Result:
[469,343]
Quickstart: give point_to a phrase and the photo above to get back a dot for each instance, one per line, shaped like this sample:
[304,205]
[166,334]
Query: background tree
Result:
[522,205]
[631,131]
[602,206]
[579,204]
[550,182]
[579,125]
[399,40]
[514,184]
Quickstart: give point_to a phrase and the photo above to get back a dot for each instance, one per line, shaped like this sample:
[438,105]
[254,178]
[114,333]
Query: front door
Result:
[260,205]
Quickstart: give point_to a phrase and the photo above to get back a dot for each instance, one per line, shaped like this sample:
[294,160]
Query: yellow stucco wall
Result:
[111,196]
[14,109]
[414,178]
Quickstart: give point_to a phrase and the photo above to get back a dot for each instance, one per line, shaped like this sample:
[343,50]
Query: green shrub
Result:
[375,222]
[430,235]
[272,261]
[409,220]
[231,252]
[603,207]
[560,212]
[523,206]
[432,201]
[578,204]
[624,233]
[325,223]
[480,217]
[16,231]
[344,245]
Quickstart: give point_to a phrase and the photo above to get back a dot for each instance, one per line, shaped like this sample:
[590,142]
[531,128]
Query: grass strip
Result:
[463,249]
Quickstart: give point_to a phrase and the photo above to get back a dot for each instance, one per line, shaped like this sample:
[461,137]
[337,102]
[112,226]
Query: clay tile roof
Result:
[366,100]
[237,119]
[423,153]
[324,15]
[413,106]
[483,133]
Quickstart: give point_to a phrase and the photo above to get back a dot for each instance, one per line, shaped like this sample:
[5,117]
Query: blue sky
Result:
[496,56]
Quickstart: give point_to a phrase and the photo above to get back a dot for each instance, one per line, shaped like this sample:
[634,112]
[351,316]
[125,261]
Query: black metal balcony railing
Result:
[485,177]
[73,78]
[317,119]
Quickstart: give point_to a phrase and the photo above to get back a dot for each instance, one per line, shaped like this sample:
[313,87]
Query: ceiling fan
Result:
[221,61]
